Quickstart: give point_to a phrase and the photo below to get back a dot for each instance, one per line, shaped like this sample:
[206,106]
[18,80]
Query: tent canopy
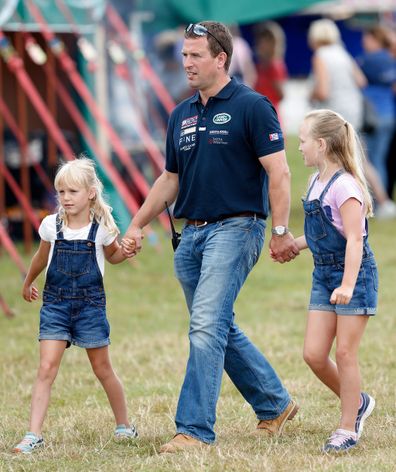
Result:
[243,11]
[85,14]
[168,14]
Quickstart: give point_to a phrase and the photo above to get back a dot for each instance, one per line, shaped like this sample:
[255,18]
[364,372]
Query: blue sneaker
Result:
[125,432]
[30,442]
[368,404]
[340,441]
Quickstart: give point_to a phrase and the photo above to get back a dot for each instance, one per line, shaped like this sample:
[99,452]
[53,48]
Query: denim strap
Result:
[93,230]
[329,183]
[59,231]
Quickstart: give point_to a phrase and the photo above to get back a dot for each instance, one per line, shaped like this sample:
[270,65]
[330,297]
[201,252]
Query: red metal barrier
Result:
[6,309]
[12,124]
[16,189]
[16,66]
[12,250]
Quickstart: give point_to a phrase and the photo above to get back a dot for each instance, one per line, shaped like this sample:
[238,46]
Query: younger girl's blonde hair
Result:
[342,146]
[81,173]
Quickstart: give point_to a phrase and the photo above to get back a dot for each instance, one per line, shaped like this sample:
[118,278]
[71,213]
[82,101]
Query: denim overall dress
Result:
[328,248]
[74,301]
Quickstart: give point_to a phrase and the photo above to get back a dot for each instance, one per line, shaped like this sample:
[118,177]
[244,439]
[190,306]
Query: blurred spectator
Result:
[242,65]
[391,159]
[378,65]
[271,67]
[336,77]
[337,82]
[170,67]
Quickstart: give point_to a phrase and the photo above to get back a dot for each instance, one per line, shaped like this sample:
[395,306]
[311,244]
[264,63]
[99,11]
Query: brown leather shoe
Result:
[275,426]
[181,442]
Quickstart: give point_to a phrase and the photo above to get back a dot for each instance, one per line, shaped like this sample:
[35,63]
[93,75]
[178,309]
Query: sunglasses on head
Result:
[201,30]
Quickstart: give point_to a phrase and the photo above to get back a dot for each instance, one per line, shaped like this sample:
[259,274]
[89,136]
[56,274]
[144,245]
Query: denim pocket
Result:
[374,273]
[97,300]
[314,226]
[69,263]
[49,297]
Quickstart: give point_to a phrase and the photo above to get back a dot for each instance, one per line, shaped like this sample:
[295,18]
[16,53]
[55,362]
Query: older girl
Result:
[345,279]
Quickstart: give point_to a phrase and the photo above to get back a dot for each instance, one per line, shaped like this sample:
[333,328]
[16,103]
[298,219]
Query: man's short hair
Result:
[221,41]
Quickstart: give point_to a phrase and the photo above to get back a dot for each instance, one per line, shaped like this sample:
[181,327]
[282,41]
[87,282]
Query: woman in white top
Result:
[337,78]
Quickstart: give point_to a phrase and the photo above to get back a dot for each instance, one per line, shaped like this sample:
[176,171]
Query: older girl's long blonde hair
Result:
[81,173]
[342,146]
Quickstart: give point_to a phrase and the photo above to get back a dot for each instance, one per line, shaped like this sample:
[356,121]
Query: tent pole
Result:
[24,168]
[51,101]
[16,66]
[10,247]
[11,123]
[6,309]
[2,184]
[21,197]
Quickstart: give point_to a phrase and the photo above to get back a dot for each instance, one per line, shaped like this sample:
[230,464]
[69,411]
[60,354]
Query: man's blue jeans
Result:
[212,263]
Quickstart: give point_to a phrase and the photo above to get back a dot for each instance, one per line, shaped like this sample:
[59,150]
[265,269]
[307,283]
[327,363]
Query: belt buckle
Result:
[200,225]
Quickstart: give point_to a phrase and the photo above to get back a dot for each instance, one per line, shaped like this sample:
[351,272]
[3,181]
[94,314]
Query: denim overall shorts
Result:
[74,301]
[328,247]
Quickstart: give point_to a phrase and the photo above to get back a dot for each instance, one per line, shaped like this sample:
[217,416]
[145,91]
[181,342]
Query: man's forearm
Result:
[279,195]
[164,190]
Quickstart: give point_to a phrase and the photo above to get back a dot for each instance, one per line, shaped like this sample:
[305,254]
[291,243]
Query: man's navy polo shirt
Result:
[215,150]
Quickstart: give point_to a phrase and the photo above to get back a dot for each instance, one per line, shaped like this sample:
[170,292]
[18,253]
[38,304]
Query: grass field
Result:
[149,351]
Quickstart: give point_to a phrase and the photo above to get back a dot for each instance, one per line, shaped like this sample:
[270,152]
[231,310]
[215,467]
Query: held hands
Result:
[283,248]
[341,295]
[30,293]
[128,247]
[131,243]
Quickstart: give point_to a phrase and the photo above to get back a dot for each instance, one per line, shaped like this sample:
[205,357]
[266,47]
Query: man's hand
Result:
[128,247]
[131,243]
[283,248]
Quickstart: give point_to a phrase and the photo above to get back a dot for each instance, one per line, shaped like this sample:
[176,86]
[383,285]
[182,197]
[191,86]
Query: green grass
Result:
[149,351]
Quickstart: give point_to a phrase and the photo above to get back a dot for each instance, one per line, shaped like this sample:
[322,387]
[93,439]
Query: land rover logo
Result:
[221,118]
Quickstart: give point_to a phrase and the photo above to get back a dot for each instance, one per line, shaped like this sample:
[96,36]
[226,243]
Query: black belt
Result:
[199,223]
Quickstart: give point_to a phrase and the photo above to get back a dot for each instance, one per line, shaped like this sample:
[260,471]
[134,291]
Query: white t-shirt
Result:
[343,188]
[47,232]
[345,96]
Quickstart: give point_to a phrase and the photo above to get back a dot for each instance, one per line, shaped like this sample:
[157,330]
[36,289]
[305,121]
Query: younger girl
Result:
[345,278]
[74,243]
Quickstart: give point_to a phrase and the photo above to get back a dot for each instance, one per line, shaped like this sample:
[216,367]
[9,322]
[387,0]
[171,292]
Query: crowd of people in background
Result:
[338,83]
[362,89]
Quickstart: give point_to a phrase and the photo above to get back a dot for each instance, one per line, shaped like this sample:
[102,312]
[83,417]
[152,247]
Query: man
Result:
[224,153]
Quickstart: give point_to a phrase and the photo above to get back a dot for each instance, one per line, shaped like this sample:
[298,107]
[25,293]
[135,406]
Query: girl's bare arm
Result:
[39,262]
[351,220]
